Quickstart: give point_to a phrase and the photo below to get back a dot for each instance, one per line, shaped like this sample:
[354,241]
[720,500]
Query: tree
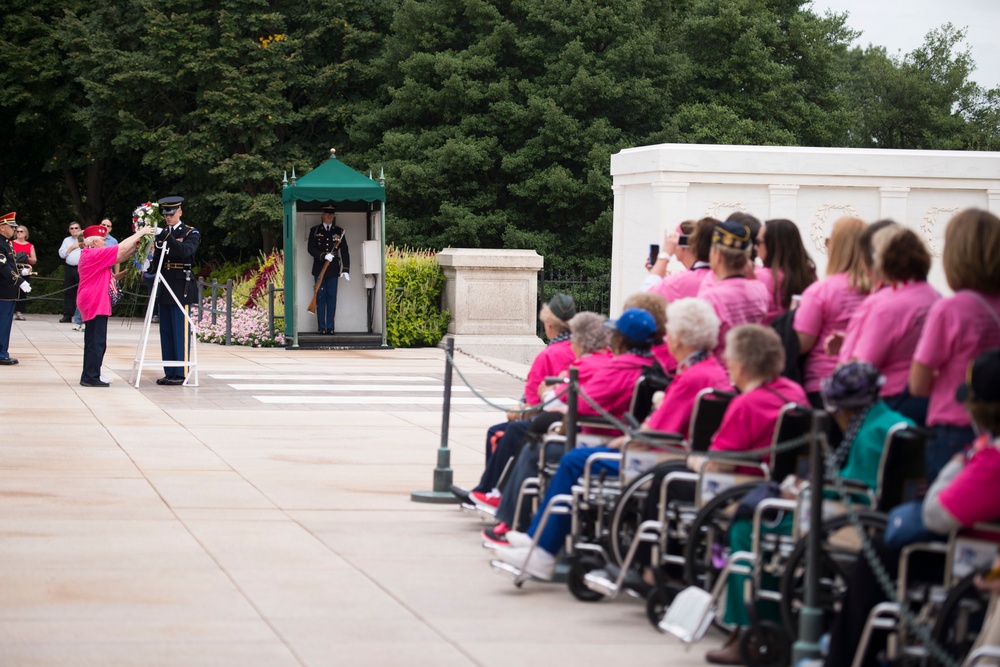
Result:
[924,99]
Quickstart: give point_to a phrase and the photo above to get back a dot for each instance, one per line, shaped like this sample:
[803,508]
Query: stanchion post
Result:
[571,408]
[807,646]
[442,473]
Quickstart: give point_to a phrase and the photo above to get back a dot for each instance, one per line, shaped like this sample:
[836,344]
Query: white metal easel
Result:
[140,354]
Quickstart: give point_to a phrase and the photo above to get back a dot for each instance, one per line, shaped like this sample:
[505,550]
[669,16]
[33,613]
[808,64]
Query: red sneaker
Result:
[486,501]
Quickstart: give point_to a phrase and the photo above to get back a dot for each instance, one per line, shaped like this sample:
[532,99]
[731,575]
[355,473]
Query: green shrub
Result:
[413,284]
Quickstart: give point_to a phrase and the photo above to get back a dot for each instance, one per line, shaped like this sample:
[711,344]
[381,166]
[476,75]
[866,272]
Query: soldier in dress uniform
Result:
[180,243]
[328,247]
[11,282]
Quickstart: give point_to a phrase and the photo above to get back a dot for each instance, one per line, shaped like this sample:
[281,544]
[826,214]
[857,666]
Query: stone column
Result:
[492,296]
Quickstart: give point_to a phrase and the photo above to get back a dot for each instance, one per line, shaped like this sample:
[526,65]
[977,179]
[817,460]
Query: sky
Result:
[900,26]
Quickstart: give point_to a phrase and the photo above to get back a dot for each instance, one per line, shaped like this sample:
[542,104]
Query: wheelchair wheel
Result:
[657,602]
[960,619]
[841,546]
[574,579]
[766,644]
[627,516]
[708,537]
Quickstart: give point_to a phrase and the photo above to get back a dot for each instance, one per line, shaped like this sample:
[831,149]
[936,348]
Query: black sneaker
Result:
[496,536]
[460,493]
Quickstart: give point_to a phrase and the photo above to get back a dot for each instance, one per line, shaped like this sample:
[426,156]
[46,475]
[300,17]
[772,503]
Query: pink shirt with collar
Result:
[774,307]
[826,306]
[885,330]
[551,361]
[92,297]
[736,301]
[674,413]
[956,331]
[611,384]
[751,418]
[681,284]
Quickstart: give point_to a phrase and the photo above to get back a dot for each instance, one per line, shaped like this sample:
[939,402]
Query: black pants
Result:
[71,279]
[95,343]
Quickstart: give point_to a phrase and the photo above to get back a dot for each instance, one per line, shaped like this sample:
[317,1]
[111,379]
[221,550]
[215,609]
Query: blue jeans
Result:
[944,443]
[570,468]
[525,466]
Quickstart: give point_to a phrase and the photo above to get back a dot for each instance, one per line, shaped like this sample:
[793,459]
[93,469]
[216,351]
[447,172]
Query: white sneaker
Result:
[541,565]
[518,540]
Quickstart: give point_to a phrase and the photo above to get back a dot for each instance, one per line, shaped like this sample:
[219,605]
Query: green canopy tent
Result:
[360,203]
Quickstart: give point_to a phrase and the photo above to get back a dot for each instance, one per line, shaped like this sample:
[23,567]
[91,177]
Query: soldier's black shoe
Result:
[170,380]
[9,361]
[99,383]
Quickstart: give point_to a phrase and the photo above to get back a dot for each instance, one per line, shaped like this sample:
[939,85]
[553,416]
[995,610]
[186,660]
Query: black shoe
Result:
[170,380]
[460,493]
[64,319]
[98,383]
[9,361]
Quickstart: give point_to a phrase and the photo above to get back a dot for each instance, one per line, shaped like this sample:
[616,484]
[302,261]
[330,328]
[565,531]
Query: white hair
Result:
[693,323]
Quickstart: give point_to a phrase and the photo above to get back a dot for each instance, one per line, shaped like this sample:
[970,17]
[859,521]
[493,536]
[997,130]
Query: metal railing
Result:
[589,293]
[213,309]
[271,290]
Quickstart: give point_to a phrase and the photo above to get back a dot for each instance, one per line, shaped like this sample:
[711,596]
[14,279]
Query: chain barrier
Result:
[522,411]
[884,580]
[486,363]
[867,548]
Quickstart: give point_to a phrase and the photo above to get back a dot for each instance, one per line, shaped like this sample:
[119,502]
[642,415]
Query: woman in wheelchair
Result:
[851,395]
[965,492]
[610,387]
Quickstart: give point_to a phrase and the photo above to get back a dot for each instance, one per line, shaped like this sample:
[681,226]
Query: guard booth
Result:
[360,202]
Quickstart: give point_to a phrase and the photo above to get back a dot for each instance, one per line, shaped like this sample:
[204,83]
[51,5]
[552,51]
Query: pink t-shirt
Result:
[974,494]
[750,419]
[92,296]
[774,307]
[551,361]
[588,364]
[736,301]
[612,383]
[956,331]
[681,284]
[885,329]
[662,354]
[826,306]
[674,413]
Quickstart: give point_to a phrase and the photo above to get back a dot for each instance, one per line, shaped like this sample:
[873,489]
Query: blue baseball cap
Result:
[635,324]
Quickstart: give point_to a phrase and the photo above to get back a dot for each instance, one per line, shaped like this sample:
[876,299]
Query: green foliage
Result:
[413,283]
[495,120]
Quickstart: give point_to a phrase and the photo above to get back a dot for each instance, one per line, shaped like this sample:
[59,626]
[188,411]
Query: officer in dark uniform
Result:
[11,282]
[328,247]
[180,243]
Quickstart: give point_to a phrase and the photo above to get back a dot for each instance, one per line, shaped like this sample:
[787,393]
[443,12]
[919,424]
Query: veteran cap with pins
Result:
[732,234]
[9,219]
[170,204]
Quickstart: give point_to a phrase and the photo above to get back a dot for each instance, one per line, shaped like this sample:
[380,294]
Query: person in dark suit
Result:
[180,242]
[11,283]
[328,247]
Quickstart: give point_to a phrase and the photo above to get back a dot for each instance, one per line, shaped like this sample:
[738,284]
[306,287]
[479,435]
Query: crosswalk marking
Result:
[379,400]
[331,378]
[344,387]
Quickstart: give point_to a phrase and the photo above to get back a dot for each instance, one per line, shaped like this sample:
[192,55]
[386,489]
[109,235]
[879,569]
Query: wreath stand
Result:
[139,361]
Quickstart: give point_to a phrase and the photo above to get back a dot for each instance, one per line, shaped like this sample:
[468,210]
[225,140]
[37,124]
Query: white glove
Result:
[328,257]
[25,287]
[346,277]
[25,272]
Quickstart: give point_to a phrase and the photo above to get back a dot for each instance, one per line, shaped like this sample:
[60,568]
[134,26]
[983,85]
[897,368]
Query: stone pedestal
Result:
[493,299]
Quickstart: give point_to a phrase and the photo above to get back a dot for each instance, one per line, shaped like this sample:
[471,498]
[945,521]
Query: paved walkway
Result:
[263,518]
